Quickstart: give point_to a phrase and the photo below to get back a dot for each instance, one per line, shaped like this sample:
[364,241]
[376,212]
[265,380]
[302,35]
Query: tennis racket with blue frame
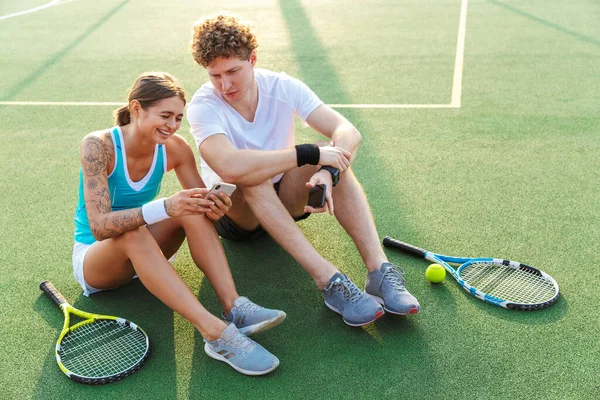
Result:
[504,283]
[101,348]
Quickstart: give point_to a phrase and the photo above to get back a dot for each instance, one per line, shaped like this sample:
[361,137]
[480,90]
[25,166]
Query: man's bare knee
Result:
[252,191]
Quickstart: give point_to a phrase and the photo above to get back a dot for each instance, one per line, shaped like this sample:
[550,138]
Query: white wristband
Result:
[154,211]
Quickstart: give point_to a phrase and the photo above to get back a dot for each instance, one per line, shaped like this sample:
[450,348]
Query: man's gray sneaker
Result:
[387,287]
[243,354]
[345,298]
[250,318]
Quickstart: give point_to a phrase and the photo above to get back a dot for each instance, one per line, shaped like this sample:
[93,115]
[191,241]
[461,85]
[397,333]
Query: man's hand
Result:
[321,177]
[335,157]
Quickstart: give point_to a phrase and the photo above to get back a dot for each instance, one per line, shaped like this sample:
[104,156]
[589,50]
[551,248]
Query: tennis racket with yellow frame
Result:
[101,348]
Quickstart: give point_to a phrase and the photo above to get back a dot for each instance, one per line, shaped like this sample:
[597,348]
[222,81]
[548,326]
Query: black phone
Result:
[316,196]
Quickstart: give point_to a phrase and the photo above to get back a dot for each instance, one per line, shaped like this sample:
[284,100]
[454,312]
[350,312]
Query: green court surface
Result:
[497,156]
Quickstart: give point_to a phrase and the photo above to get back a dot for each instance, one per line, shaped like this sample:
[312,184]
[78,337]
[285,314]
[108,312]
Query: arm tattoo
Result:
[127,220]
[94,155]
[108,224]
[107,146]
[103,205]
[92,183]
[108,231]
[117,223]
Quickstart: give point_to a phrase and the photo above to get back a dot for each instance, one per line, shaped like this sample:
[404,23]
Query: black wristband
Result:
[307,154]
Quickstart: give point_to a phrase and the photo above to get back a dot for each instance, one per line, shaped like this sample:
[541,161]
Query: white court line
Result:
[61,103]
[456,83]
[50,4]
[393,106]
[115,103]
[460,55]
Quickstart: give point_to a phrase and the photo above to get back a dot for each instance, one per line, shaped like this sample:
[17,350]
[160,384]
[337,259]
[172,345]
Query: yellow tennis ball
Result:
[435,273]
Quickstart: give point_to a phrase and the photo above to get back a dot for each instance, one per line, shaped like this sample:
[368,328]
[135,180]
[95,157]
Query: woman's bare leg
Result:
[113,262]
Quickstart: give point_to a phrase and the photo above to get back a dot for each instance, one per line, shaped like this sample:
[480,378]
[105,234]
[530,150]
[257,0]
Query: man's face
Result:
[232,77]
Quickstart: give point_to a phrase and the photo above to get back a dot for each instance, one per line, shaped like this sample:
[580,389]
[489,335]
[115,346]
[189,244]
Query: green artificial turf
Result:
[513,173]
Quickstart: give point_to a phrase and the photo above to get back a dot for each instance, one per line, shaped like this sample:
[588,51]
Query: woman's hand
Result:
[222,204]
[188,202]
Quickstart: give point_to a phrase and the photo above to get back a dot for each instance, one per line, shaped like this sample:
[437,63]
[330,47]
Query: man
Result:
[243,124]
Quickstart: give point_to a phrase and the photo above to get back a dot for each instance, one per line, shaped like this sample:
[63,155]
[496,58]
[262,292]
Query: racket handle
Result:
[408,248]
[51,291]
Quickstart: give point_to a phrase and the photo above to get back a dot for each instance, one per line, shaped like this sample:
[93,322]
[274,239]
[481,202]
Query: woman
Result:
[121,232]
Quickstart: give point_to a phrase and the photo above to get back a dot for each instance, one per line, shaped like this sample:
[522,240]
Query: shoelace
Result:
[248,308]
[395,276]
[241,343]
[347,289]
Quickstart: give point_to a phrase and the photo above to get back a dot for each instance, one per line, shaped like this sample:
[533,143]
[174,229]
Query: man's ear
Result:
[253,58]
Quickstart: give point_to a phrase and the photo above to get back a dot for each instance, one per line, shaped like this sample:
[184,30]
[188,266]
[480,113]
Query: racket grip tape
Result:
[52,292]
[408,248]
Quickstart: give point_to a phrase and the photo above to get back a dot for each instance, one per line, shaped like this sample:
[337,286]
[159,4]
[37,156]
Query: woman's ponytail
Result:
[123,116]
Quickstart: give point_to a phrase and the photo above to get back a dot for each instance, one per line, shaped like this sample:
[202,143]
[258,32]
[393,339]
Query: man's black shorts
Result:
[229,230]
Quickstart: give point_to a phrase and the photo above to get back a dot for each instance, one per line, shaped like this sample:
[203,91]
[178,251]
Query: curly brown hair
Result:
[223,36]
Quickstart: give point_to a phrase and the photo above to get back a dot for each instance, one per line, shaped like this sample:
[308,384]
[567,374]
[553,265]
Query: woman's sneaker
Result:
[345,298]
[250,318]
[243,354]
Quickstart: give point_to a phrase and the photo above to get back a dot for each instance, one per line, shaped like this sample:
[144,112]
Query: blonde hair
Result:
[223,36]
[148,89]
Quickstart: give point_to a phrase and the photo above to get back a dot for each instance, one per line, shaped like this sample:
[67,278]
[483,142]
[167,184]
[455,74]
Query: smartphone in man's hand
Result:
[316,196]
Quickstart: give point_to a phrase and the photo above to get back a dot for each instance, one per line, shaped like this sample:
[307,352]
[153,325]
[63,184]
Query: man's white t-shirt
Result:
[280,98]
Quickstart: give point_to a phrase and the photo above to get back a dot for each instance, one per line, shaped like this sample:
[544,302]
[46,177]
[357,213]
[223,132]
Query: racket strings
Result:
[102,348]
[508,283]
[104,361]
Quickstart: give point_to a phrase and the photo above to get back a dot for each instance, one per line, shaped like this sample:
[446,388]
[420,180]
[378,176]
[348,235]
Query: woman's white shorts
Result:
[79,251]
